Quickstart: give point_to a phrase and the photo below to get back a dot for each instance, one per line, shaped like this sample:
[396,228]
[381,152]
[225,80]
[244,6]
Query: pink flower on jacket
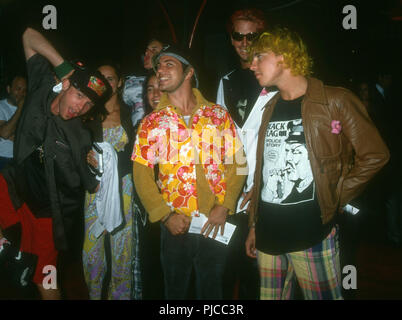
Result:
[336,127]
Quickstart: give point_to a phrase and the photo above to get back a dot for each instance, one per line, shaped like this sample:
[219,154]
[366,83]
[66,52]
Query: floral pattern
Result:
[211,140]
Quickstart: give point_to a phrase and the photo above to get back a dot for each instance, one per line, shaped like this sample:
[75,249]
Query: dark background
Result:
[93,30]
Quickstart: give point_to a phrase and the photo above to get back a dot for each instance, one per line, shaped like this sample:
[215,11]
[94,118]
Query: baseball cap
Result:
[180,54]
[90,82]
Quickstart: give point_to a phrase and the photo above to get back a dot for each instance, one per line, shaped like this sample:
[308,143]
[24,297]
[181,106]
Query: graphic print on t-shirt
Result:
[287,175]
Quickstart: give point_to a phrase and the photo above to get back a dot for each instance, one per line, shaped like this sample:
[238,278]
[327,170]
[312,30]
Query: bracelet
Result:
[62,69]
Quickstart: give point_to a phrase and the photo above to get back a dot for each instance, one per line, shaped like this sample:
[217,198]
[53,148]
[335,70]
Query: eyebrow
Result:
[167,61]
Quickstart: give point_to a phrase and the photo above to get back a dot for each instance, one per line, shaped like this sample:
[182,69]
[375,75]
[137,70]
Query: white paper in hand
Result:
[198,222]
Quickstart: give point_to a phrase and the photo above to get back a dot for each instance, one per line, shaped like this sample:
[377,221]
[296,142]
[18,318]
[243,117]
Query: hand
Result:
[20,102]
[216,219]
[250,244]
[246,197]
[178,224]
[91,159]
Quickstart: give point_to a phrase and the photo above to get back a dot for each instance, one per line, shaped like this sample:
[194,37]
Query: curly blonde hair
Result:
[282,41]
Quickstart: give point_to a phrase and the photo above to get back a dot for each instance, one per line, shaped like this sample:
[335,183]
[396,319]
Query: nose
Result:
[159,70]
[81,105]
[253,65]
[244,41]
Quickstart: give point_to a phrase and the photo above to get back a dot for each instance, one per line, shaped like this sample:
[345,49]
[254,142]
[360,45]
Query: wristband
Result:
[62,69]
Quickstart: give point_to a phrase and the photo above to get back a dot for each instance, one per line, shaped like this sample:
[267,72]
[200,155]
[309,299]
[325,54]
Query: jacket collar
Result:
[165,102]
[314,93]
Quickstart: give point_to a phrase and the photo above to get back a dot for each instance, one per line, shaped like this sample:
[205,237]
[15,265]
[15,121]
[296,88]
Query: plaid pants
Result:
[316,269]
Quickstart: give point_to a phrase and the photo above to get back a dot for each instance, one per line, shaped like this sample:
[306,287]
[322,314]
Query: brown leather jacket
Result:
[342,164]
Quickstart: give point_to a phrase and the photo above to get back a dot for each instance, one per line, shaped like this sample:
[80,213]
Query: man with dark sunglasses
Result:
[239,90]
[244,98]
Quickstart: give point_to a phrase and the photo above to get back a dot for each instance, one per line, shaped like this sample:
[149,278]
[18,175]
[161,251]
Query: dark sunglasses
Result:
[237,36]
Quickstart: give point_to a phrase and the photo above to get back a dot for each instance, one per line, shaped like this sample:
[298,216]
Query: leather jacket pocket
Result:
[325,144]
[330,175]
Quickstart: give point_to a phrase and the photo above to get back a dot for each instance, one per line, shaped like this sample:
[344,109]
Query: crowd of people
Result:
[142,159]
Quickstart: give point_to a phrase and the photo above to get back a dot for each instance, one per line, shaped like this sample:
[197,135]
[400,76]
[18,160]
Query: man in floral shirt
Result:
[201,171]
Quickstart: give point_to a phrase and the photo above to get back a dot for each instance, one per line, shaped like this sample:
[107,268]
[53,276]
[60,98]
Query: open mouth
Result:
[163,80]
[71,113]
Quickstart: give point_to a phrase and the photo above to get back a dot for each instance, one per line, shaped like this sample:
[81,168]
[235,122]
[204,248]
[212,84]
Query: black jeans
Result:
[241,270]
[182,254]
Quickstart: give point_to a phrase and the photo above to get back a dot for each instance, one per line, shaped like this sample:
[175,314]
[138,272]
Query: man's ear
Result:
[8,88]
[189,72]
[120,83]
[281,59]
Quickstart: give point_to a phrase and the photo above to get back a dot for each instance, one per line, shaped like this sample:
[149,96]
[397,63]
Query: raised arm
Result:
[34,42]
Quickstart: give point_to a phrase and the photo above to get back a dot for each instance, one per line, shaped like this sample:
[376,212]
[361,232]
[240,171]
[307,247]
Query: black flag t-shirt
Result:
[288,215]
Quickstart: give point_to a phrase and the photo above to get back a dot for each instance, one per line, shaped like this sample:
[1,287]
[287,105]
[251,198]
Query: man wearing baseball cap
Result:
[195,145]
[41,194]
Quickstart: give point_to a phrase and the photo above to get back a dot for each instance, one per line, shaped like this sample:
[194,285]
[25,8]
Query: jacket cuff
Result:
[158,213]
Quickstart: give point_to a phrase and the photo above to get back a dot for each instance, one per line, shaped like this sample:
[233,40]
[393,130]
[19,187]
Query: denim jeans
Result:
[183,254]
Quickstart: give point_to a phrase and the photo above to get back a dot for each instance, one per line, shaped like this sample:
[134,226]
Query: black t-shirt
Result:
[241,92]
[288,214]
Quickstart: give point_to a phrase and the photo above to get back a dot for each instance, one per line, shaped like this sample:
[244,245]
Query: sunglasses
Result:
[237,36]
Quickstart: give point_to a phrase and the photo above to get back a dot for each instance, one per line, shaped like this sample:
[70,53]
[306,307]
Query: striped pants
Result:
[317,270]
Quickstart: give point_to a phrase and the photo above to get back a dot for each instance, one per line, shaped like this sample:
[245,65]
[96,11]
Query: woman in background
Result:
[152,274]
[115,128]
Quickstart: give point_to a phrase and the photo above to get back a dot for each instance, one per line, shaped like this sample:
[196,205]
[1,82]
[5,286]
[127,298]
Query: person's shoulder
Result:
[228,75]
[5,107]
[3,103]
[320,90]
[217,110]
[133,80]
[153,116]
[337,92]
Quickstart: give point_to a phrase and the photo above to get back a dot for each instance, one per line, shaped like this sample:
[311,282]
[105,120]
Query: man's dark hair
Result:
[11,78]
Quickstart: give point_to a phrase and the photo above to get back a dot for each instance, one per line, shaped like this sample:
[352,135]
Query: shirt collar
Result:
[165,102]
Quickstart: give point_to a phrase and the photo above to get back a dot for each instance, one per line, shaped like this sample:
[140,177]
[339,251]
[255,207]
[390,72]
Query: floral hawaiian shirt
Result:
[210,139]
